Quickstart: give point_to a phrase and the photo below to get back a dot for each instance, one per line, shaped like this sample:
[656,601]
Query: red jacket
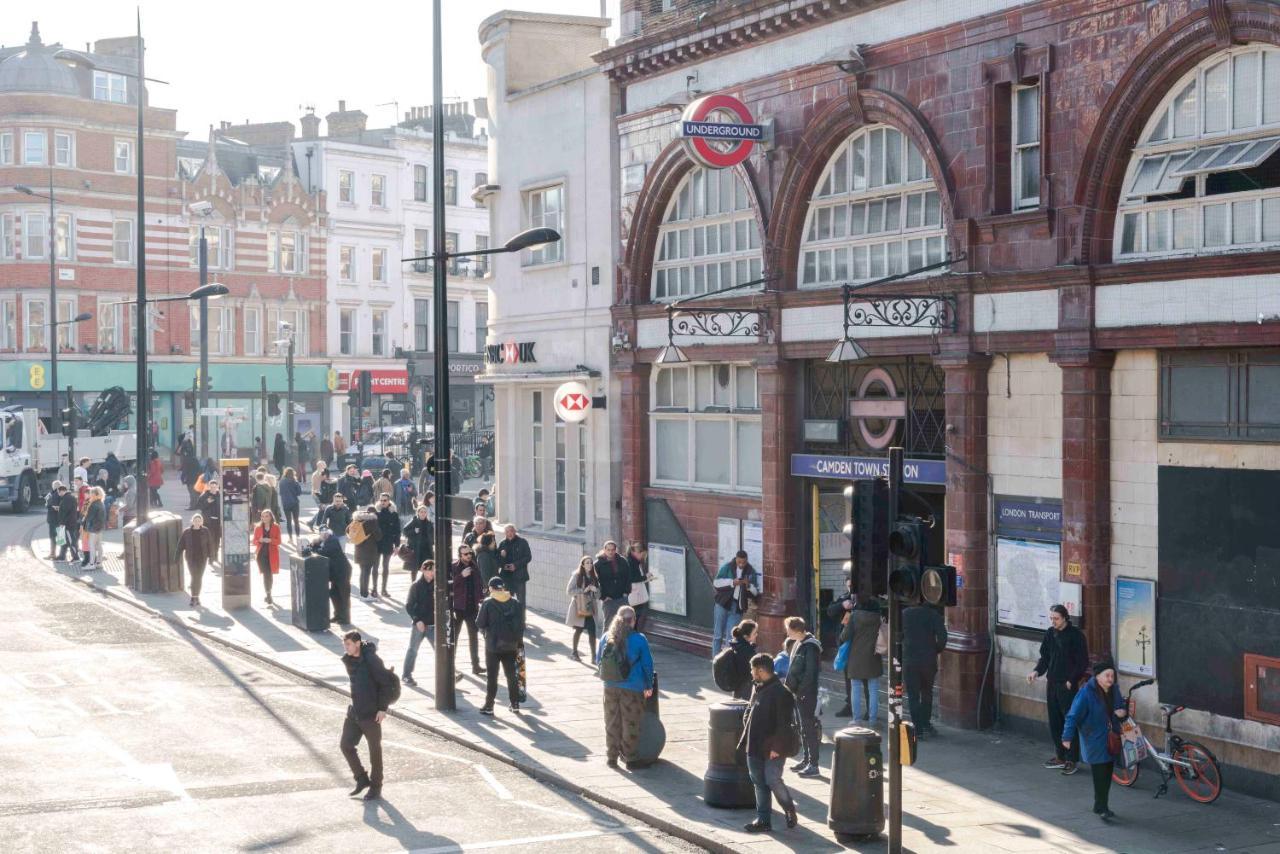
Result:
[155,473]
[273,545]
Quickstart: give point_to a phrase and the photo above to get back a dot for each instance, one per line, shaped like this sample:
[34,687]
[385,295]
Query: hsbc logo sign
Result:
[573,402]
[510,353]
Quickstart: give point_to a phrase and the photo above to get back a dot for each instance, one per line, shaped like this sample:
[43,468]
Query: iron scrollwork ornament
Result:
[717,322]
[902,311]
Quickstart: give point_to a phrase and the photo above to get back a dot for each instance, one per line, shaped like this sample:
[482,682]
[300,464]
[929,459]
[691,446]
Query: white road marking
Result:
[502,791]
[527,840]
[530,805]
[159,774]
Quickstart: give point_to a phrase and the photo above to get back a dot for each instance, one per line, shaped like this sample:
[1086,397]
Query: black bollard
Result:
[857,783]
[727,782]
[653,734]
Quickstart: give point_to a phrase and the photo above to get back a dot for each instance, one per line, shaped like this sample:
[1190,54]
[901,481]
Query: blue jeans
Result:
[858,701]
[415,641]
[766,776]
[722,627]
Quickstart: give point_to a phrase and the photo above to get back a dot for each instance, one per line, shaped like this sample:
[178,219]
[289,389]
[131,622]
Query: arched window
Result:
[876,212]
[1203,177]
[709,239]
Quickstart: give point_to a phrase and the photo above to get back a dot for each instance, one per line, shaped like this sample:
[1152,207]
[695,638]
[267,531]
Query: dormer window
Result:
[109,87]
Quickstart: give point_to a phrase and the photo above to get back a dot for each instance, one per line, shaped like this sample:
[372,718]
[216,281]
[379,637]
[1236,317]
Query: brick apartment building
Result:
[68,118]
[1088,390]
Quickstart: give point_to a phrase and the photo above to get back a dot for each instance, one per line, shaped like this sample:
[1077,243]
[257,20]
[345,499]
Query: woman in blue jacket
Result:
[1097,710]
[624,698]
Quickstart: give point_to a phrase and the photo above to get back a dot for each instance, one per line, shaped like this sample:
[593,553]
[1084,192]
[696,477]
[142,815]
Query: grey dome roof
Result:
[35,69]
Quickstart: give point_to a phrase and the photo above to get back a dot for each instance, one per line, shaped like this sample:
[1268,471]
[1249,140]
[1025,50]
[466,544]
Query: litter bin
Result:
[727,782]
[653,733]
[857,783]
[310,592]
[151,562]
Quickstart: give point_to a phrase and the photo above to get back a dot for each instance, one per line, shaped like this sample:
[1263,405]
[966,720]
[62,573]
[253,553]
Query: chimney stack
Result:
[310,124]
[346,123]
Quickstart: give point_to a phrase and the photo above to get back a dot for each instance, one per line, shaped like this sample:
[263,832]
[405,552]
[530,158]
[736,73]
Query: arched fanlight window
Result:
[710,238]
[876,212]
[1204,177]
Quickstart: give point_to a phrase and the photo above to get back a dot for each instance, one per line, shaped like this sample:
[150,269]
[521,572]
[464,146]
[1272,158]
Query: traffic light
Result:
[868,553]
[68,420]
[188,400]
[273,404]
[429,398]
[907,545]
[938,585]
[353,397]
[366,388]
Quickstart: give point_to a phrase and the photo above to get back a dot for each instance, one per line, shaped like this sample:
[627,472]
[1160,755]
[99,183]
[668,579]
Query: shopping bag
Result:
[842,655]
[1133,747]
[522,674]
[60,536]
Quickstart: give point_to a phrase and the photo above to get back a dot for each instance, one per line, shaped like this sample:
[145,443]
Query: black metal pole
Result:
[288,403]
[53,307]
[202,401]
[262,418]
[446,701]
[894,728]
[71,437]
[140,325]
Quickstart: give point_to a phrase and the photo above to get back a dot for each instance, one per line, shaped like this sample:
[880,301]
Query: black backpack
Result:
[505,636]
[614,665]
[722,670]
[391,691]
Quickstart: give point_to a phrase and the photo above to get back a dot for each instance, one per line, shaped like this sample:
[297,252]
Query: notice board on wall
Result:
[1029,582]
[667,591]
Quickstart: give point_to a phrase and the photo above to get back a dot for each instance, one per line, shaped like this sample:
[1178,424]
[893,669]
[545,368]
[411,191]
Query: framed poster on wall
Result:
[729,535]
[1029,582]
[753,543]
[1135,626]
[667,592]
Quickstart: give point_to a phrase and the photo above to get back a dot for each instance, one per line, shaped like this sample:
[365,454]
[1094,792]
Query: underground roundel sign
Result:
[718,131]
[573,402]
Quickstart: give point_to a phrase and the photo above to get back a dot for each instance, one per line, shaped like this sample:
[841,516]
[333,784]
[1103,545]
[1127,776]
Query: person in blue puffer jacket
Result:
[624,698]
[1098,709]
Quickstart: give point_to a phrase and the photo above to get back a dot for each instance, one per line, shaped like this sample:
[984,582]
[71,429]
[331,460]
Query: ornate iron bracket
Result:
[716,321]
[903,311]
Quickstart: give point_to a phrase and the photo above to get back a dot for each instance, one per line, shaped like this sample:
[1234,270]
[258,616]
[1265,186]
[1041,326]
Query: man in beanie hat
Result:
[501,618]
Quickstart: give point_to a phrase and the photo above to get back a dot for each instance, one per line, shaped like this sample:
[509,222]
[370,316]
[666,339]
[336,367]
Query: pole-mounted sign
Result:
[719,131]
[573,402]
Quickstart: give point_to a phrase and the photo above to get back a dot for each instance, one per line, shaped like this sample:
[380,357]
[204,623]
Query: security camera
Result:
[201,208]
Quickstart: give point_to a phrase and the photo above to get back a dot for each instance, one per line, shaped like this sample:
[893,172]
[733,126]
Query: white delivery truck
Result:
[30,455]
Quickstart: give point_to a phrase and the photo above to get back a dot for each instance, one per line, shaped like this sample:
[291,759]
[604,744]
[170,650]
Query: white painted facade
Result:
[556,482]
[371,306]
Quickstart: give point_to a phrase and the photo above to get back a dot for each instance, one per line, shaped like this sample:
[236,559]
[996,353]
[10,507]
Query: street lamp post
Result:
[287,342]
[53,294]
[445,696]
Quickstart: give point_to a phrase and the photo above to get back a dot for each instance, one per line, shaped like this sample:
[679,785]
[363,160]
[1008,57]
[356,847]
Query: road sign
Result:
[716,143]
[573,402]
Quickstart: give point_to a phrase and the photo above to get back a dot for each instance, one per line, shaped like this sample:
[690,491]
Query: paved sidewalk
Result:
[978,792]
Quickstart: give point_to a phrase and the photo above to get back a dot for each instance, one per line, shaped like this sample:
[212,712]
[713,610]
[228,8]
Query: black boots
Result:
[362,783]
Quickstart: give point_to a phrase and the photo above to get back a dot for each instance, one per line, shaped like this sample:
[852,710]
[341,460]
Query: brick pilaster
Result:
[777,380]
[633,384]
[965,676]
[1086,487]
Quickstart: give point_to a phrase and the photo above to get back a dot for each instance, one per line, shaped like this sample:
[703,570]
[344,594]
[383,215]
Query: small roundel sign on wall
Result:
[573,402]
[719,131]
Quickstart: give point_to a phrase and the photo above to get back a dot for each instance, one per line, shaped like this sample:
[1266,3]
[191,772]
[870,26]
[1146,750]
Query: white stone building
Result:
[551,164]
[378,186]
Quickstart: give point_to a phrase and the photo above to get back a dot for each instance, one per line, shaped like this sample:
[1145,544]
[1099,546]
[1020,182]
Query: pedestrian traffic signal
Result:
[273,404]
[353,397]
[938,585]
[868,553]
[907,545]
[366,388]
[188,400]
[68,421]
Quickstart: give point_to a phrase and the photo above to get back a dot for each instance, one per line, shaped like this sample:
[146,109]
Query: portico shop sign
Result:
[866,468]
[714,142]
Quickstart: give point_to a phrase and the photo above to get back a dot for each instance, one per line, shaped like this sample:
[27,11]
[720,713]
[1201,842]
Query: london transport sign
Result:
[716,143]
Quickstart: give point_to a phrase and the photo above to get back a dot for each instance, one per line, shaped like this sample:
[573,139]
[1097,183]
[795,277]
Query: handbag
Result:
[882,639]
[405,553]
[842,655]
[582,602]
[1114,743]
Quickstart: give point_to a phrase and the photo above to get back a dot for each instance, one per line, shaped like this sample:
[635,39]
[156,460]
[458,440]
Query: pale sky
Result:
[266,60]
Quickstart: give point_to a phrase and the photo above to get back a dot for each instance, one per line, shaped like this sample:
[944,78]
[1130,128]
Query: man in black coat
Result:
[389,539]
[514,556]
[69,518]
[501,618]
[615,581]
[1064,660]
[336,517]
[841,605]
[371,684]
[51,516]
[349,485]
[924,637]
[421,608]
[768,737]
[339,576]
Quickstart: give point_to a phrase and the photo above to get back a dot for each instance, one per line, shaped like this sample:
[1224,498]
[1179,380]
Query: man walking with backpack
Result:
[625,664]
[373,689]
[501,618]
[768,737]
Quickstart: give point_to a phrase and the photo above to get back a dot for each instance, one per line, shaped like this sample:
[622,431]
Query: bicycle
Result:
[471,467]
[1192,764]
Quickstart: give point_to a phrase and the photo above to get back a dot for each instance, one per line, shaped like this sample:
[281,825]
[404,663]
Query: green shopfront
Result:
[234,384]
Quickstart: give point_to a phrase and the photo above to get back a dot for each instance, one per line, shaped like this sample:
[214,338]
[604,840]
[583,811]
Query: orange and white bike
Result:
[1190,763]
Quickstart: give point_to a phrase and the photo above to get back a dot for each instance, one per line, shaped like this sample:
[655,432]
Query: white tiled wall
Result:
[1134,522]
[553,561]
[1015,311]
[1238,299]
[1024,425]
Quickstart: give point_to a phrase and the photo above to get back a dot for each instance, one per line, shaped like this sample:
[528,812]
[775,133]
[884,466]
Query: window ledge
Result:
[1025,216]
[548,265]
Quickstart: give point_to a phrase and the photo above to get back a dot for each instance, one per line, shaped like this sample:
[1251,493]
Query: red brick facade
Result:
[1102,67]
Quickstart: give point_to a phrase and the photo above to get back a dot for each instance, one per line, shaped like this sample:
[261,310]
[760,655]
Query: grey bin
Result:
[653,733]
[310,592]
[727,783]
[857,783]
[151,561]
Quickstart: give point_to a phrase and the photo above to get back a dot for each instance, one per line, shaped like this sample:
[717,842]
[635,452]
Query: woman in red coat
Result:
[155,478]
[266,546]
